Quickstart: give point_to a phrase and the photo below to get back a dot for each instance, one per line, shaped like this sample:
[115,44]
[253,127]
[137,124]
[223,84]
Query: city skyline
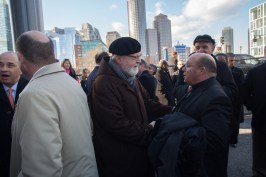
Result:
[188,18]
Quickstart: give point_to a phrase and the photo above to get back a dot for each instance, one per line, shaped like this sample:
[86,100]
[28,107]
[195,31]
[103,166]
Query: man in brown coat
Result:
[120,111]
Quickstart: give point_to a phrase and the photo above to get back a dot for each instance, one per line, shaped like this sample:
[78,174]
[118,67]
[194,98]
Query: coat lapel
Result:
[3,96]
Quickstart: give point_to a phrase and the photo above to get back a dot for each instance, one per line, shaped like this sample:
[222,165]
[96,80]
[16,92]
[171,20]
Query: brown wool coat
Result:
[120,122]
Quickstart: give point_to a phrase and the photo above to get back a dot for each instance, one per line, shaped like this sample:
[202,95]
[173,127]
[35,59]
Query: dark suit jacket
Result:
[6,117]
[91,78]
[211,107]
[149,83]
[255,96]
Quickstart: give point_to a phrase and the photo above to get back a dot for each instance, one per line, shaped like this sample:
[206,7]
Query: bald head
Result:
[37,36]
[199,67]
[36,47]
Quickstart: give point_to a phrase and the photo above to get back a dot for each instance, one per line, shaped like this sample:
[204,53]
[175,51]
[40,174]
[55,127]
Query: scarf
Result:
[130,79]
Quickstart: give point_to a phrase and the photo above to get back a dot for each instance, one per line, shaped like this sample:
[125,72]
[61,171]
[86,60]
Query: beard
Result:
[130,71]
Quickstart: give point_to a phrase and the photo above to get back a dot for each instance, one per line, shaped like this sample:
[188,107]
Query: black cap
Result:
[124,46]
[204,38]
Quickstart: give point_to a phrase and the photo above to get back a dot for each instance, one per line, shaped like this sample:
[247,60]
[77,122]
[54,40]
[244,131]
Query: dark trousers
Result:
[259,154]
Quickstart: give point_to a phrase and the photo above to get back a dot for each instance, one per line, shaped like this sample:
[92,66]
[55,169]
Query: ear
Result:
[21,57]
[118,59]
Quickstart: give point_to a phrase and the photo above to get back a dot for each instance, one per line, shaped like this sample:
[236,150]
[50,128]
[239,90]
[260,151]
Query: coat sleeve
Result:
[37,143]
[216,122]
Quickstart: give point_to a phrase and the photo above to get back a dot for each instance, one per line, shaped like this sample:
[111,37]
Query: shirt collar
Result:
[14,87]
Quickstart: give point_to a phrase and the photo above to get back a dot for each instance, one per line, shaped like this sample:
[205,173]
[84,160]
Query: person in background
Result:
[221,57]
[152,69]
[147,80]
[66,64]
[172,62]
[51,133]
[238,76]
[255,100]
[90,80]
[83,82]
[238,110]
[11,85]
[120,108]
[164,90]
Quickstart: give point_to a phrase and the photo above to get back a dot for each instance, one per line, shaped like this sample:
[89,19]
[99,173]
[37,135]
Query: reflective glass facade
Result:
[6,43]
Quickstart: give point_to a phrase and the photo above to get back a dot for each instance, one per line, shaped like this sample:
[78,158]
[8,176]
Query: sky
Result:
[189,18]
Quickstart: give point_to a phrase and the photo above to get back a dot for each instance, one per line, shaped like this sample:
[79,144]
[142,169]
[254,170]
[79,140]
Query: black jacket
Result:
[178,146]
[149,83]
[6,117]
[211,107]
[255,96]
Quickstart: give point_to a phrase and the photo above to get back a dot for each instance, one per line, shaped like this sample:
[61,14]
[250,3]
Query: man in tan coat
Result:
[51,133]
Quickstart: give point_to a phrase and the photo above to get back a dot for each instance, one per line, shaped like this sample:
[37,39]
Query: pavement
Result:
[240,158]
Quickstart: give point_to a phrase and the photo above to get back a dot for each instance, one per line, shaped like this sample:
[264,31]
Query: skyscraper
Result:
[111,36]
[257,30]
[137,22]
[64,42]
[163,26]
[152,45]
[228,37]
[90,32]
[5,28]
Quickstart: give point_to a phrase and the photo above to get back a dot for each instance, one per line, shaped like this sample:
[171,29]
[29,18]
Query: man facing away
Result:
[147,80]
[90,80]
[120,109]
[10,87]
[51,134]
[210,106]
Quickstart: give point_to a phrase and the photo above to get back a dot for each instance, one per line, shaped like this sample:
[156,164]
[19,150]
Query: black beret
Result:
[204,38]
[124,46]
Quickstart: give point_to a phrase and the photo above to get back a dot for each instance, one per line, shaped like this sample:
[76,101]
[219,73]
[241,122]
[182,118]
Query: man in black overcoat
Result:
[207,103]
[9,78]
[255,100]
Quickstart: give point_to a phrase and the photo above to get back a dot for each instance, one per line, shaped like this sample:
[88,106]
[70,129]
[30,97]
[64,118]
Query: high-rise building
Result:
[152,45]
[137,22]
[90,32]
[26,15]
[257,30]
[163,26]
[5,28]
[64,41]
[111,36]
[228,40]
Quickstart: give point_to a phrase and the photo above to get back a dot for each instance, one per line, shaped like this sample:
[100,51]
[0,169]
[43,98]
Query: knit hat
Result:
[124,46]
[204,38]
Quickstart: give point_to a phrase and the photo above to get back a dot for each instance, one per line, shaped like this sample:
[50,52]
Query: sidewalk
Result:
[240,158]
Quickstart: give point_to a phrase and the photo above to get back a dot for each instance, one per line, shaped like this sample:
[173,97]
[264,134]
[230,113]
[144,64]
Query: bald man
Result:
[51,133]
[208,103]
[9,80]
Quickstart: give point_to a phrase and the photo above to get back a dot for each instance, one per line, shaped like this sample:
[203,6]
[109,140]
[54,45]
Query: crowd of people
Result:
[126,118]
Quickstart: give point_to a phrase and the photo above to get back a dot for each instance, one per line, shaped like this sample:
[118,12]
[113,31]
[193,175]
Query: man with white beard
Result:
[121,113]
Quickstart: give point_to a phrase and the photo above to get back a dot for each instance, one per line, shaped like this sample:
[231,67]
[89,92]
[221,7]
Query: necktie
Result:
[10,97]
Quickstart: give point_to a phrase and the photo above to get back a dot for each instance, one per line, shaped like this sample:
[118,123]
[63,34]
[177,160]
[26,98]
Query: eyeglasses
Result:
[135,58]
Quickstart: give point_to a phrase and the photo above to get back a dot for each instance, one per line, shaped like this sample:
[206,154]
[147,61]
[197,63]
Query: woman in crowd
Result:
[68,68]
